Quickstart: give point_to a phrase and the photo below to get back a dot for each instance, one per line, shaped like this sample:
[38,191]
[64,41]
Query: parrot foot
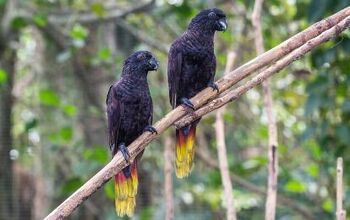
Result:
[151,129]
[187,103]
[125,152]
[214,86]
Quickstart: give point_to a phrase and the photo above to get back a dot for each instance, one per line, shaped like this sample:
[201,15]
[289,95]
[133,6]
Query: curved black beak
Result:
[222,24]
[153,64]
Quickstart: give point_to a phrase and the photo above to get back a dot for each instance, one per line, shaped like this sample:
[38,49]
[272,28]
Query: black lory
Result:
[129,112]
[191,68]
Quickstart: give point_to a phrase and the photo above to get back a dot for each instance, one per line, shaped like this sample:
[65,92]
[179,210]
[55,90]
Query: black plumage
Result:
[129,112]
[191,68]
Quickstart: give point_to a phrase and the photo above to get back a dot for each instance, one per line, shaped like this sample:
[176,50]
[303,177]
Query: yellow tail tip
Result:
[185,150]
[125,189]
[125,207]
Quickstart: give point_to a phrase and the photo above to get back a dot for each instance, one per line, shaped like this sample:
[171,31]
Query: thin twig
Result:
[270,206]
[168,180]
[118,162]
[222,154]
[109,15]
[341,213]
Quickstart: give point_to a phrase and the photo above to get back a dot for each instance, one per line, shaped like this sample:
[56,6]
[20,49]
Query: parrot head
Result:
[140,61]
[209,19]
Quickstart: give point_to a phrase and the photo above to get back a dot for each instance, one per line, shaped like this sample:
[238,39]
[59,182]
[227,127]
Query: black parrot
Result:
[129,112]
[191,68]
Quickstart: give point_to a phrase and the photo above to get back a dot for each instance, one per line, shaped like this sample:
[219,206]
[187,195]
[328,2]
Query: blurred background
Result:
[58,58]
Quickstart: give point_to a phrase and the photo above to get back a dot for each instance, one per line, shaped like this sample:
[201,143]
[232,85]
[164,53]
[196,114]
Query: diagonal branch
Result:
[279,65]
[270,206]
[118,163]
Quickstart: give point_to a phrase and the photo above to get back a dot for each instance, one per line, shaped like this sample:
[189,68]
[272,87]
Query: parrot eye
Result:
[212,15]
[141,56]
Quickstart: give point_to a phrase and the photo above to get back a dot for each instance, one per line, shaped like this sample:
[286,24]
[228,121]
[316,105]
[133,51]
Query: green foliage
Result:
[109,189]
[18,23]
[49,98]
[97,153]
[295,186]
[32,123]
[98,9]
[66,133]
[3,76]
[104,54]
[78,33]
[40,20]
[69,110]
[71,185]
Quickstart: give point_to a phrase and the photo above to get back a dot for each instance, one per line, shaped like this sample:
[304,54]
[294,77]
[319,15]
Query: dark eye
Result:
[141,56]
[212,15]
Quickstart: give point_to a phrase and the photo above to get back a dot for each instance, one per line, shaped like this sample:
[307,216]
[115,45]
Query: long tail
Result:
[185,150]
[126,183]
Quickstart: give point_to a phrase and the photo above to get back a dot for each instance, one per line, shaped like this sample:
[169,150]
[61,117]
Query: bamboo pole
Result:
[168,180]
[272,153]
[222,155]
[341,213]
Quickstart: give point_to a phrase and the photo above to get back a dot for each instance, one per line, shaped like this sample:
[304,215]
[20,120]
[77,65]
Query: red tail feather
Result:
[125,191]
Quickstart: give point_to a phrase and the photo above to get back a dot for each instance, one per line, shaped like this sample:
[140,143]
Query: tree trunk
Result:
[7,205]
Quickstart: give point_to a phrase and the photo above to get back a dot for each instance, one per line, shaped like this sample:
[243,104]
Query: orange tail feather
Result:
[125,191]
[185,149]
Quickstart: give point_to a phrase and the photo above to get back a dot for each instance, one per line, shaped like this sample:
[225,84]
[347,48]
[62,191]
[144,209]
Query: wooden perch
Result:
[277,66]
[341,213]
[118,162]
[271,195]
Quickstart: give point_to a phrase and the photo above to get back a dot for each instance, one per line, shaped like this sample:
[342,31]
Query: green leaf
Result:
[40,21]
[109,189]
[66,133]
[262,132]
[295,186]
[31,124]
[104,54]
[98,153]
[328,205]
[228,117]
[98,9]
[313,170]
[71,185]
[49,98]
[18,23]
[3,76]
[78,32]
[69,110]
